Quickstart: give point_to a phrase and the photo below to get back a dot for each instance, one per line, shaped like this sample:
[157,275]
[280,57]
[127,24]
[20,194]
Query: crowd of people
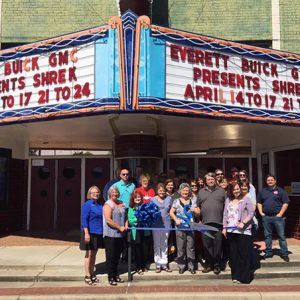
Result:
[227,205]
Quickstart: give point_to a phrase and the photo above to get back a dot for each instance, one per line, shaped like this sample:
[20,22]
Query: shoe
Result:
[217,270]
[267,256]
[234,281]
[157,270]
[112,281]
[89,281]
[167,269]
[206,270]
[140,272]
[181,271]
[285,258]
[95,279]
[193,271]
[118,279]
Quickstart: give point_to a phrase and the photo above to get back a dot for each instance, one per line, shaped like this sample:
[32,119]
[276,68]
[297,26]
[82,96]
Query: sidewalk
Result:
[56,272]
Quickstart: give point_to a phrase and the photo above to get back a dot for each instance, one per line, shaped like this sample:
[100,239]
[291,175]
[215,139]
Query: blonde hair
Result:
[143,176]
[88,194]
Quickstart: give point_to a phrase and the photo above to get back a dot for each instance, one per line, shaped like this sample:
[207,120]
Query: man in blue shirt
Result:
[272,203]
[125,187]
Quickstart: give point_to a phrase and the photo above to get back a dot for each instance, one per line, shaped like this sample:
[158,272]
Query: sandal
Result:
[157,270]
[118,279]
[111,281]
[140,272]
[95,279]
[167,269]
[89,281]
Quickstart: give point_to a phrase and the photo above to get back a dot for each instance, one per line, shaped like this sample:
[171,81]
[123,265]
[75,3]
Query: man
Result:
[125,187]
[211,201]
[219,175]
[272,203]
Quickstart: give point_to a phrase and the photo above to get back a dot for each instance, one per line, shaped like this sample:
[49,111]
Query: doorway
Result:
[58,190]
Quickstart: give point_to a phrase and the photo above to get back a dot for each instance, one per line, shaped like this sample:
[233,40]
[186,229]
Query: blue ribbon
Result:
[203,229]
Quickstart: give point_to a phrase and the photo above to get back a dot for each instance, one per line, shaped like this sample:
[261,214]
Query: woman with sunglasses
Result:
[195,187]
[219,176]
[195,190]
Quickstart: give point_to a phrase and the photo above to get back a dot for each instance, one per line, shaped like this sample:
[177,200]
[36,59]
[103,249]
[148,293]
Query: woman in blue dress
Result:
[91,232]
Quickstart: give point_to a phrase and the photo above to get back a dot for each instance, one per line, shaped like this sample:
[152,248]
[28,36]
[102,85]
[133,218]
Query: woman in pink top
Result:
[237,220]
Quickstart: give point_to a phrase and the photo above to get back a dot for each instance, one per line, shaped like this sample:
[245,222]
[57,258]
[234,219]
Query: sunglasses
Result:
[125,174]
[242,175]
[193,185]
[219,174]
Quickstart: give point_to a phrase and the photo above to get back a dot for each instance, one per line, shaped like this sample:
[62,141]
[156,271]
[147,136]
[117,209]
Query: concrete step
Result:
[69,275]
[275,261]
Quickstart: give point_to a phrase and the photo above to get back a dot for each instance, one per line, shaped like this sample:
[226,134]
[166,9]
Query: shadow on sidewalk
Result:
[39,238]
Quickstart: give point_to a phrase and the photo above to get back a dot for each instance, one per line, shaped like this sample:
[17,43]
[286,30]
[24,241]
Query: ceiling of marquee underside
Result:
[183,134]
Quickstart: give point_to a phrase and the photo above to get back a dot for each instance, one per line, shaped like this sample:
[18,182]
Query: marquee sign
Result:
[217,78]
[65,76]
[195,74]
[55,77]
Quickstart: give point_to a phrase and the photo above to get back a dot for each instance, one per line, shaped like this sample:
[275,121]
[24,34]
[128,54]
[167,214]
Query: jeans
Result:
[279,224]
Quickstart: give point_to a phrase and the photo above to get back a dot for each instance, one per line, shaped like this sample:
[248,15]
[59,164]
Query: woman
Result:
[160,237]
[146,191]
[170,189]
[237,219]
[224,184]
[201,182]
[114,227]
[245,187]
[91,232]
[195,187]
[195,190]
[184,239]
[137,237]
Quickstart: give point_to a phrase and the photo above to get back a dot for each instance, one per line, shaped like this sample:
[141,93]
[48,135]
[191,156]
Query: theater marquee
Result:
[206,76]
[55,77]
[196,74]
